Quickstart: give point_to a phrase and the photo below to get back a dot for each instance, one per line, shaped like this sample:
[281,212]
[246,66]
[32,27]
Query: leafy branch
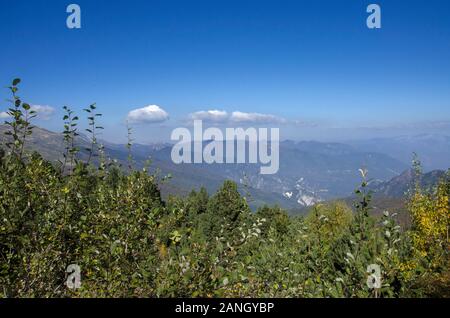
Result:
[20,126]
[92,130]
[70,133]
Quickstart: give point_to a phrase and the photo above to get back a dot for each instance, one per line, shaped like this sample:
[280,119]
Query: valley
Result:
[310,172]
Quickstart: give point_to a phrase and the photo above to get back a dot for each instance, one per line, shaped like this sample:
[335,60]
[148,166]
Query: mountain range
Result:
[432,149]
[310,171]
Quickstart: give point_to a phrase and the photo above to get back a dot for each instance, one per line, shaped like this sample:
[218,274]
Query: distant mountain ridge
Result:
[400,185]
[310,171]
[432,149]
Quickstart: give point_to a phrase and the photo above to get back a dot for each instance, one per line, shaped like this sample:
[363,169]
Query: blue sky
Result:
[312,64]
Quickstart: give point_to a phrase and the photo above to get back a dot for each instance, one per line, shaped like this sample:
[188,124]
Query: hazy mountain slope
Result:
[400,185]
[392,195]
[309,172]
[433,150]
[184,177]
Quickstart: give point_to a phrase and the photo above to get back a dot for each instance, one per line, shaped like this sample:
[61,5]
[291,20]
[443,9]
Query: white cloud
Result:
[257,118]
[236,117]
[216,116]
[147,115]
[43,112]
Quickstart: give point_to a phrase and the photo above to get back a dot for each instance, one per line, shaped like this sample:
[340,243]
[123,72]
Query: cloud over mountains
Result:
[43,112]
[236,117]
[147,115]
[216,116]
[155,114]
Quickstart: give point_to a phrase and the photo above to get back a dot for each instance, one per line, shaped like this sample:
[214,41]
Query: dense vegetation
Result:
[128,242]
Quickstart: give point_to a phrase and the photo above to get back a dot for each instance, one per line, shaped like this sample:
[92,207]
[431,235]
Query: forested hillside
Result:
[111,221]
